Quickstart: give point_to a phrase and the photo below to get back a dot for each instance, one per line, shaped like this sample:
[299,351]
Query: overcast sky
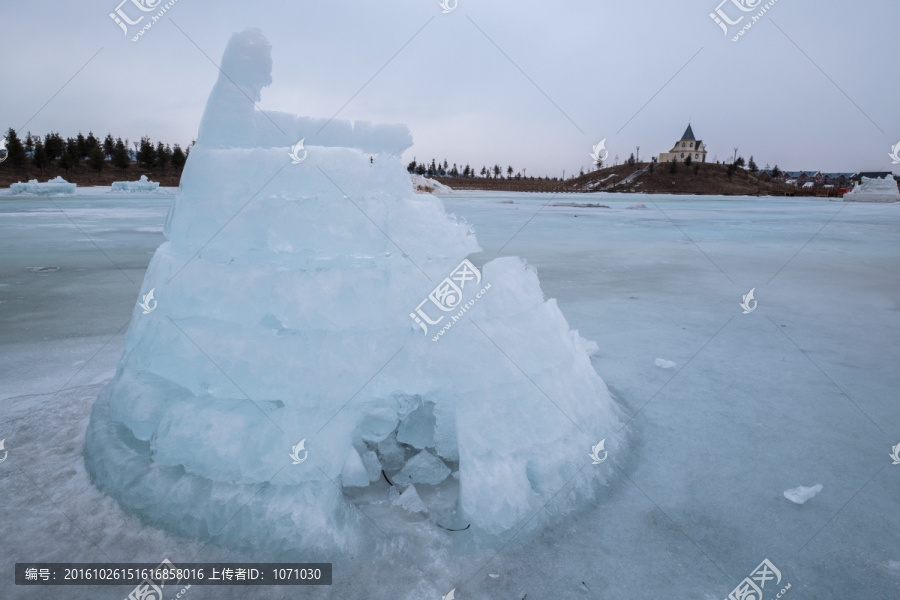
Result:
[811,85]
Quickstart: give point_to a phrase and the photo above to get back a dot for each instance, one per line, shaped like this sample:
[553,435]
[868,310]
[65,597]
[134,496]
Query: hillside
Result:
[699,178]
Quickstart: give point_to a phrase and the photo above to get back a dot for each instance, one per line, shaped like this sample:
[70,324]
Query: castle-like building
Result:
[688,145]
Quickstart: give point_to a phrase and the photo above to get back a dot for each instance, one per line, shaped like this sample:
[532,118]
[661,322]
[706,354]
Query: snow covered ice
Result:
[285,295]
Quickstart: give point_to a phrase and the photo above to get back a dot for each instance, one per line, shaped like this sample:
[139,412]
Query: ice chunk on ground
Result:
[391,453]
[53,187]
[799,495]
[378,424]
[373,466]
[409,500]
[663,363]
[424,467]
[637,205]
[354,473]
[417,429]
[142,185]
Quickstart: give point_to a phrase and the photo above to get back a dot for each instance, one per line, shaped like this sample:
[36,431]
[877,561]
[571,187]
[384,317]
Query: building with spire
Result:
[688,145]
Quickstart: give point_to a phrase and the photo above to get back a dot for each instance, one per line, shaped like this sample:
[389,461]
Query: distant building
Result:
[688,145]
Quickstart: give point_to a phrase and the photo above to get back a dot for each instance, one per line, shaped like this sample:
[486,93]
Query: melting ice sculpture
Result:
[281,368]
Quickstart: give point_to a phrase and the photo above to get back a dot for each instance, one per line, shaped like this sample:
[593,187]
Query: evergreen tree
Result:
[72,151]
[96,158]
[740,162]
[146,155]
[178,157]
[752,165]
[497,171]
[776,172]
[91,142]
[29,144]
[509,172]
[162,157]
[54,146]
[81,147]
[483,171]
[411,167]
[688,160]
[673,166]
[15,149]
[39,156]
[120,158]
[631,160]
[109,146]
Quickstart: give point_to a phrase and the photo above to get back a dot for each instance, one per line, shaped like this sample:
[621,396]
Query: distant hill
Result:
[698,178]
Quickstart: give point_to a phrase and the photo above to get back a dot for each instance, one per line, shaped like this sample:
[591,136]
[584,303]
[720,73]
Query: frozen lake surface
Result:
[801,391]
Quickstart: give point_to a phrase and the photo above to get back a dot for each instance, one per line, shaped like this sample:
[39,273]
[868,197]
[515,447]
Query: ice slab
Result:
[142,185]
[424,467]
[54,187]
[799,495]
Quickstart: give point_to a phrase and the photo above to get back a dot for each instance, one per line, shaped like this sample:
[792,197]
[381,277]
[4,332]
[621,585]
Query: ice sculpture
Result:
[874,189]
[316,332]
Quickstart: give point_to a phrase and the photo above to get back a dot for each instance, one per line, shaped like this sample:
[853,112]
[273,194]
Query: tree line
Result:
[444,169]
[69,153]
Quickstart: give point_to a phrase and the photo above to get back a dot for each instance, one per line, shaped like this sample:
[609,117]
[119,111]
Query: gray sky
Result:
[811,85]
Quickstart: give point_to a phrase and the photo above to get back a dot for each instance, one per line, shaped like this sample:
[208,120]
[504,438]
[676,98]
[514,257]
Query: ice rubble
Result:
[284,297]
[53,187]
[801,494]
[143,185]
[874,189]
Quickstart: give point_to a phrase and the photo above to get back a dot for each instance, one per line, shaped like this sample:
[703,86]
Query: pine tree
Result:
[16,152]
[81,147]
[740,162]
[29,144]
[109,145]
[96,158]
[752,165]
[509,172]
[162,158]
[73,152]
[39,156]
[776,172]
[673,166]
[120,158]
[146,155]
[178,157]
[54,146]
[411,167]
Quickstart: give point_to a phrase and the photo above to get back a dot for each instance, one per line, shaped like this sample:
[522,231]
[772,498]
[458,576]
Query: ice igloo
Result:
[295,354]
